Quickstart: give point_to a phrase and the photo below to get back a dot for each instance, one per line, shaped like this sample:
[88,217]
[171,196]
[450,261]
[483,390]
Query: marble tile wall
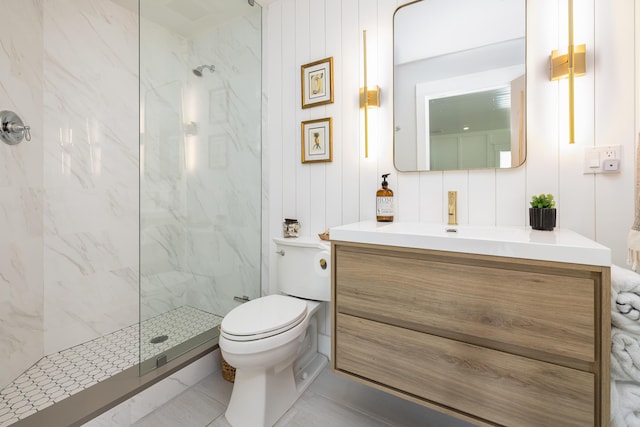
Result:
[21,190]
[69,202]
[224,192]
[162,195]
[90,170]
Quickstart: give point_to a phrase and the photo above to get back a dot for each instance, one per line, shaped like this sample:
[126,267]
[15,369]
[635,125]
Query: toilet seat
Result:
[263,317]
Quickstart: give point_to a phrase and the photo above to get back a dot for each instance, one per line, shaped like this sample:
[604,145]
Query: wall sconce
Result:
[570,65]
[369,97]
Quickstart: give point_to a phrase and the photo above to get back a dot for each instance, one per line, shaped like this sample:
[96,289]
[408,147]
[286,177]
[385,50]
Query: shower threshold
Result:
[60,375]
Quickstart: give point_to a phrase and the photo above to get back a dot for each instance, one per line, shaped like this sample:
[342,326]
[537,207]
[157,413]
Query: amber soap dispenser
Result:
[384,202]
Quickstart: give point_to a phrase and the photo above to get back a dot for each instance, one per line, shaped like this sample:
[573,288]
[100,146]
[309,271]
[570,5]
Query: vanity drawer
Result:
[495,386]
[539,312]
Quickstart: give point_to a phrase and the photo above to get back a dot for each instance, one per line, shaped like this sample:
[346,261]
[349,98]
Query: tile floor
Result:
[330,401]
[60,375]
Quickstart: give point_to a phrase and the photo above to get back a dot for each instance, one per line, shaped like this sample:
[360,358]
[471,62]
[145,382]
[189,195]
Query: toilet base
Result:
[260,398]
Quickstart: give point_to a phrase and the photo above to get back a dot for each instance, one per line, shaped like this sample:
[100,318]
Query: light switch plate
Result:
[602,159]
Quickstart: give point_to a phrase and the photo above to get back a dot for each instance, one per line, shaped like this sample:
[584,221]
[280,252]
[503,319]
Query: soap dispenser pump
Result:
[384,202]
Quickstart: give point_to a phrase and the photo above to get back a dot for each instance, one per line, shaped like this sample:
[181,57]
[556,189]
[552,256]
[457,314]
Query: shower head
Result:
[198,70]
[252,2]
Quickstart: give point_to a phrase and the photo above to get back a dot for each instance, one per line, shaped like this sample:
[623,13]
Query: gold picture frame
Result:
[317,83]
[317,140]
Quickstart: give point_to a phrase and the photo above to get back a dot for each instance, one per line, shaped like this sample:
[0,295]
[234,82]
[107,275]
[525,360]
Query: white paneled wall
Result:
[614,117]
[343,191]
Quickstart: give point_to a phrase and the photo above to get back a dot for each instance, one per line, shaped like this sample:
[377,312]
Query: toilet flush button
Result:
[322,264]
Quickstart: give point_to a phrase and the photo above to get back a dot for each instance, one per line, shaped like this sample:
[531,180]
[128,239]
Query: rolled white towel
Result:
[628,304]
[625,356]
[617,414]
[625,404]
[625,299]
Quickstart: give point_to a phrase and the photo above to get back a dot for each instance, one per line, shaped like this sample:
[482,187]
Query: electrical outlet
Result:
[611,165]
[604,159]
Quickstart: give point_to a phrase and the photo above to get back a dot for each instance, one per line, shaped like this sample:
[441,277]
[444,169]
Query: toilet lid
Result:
[263,317]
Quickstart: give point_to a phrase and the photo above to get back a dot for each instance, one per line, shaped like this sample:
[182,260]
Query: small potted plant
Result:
[542,213]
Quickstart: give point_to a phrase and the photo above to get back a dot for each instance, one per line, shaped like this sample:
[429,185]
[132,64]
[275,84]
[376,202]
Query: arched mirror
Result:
[459,84]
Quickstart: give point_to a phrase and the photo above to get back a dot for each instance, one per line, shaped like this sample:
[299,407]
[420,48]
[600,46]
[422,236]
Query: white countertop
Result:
[561,245]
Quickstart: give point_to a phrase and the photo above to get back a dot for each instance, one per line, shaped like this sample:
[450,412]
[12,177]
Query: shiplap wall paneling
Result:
[343,191]
[349,143]
[576,208]
[614,119]
[334,171]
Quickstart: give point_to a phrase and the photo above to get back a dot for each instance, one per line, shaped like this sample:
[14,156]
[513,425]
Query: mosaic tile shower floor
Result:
[60,375]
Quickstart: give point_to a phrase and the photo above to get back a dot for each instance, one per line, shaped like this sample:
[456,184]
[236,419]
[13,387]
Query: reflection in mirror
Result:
[459,84]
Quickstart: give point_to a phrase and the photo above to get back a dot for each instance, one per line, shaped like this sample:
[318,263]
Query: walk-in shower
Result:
[200,181]
[124,244]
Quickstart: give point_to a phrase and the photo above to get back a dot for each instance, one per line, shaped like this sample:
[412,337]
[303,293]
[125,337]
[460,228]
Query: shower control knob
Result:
[12,130]
[16,128]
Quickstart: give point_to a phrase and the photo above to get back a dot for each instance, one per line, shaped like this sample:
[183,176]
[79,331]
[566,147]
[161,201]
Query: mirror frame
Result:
[518,124]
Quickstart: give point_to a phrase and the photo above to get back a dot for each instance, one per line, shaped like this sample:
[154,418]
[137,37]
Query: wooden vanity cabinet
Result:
[492,340]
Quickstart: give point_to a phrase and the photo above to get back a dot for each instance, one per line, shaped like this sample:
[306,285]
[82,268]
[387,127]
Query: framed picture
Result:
[317,144]
[317,83]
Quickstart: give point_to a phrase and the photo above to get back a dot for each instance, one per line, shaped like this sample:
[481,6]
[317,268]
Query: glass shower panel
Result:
[200,169]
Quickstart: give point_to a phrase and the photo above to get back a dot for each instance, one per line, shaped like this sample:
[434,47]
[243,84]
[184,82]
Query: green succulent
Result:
[543,201]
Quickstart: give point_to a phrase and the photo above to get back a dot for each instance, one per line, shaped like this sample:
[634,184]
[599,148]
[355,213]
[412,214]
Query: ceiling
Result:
[189,17]
[473,112]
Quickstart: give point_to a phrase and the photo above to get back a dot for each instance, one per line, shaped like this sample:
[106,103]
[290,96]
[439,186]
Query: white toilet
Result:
[272,341]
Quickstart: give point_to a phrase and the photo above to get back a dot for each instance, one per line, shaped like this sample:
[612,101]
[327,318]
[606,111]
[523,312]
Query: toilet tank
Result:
[303,267]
